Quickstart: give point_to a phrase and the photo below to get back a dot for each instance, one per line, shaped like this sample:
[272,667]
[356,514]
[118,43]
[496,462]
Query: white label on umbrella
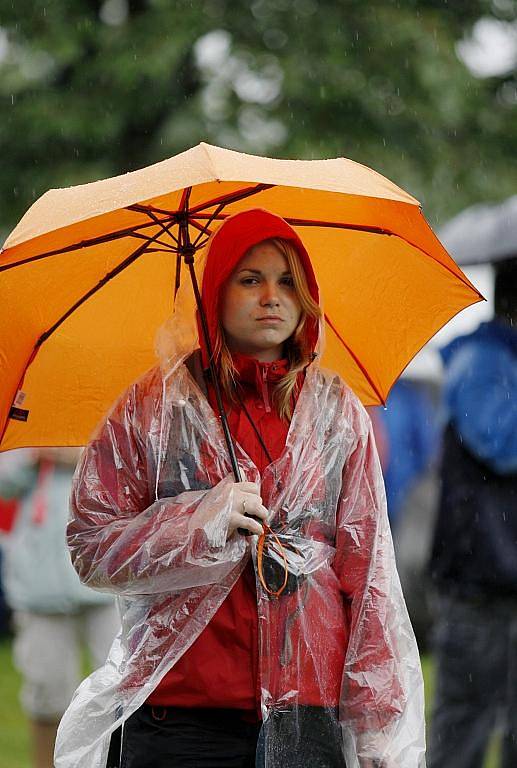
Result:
[20,398]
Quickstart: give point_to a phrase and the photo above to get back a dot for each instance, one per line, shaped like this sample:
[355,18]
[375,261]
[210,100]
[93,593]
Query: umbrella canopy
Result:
[90,273]
[483,233]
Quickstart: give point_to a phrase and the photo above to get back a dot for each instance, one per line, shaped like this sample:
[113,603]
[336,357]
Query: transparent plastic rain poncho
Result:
[150,509]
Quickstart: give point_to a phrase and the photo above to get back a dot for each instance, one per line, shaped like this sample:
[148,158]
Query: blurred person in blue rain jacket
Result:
[55,617]
[474,556]
[410,423]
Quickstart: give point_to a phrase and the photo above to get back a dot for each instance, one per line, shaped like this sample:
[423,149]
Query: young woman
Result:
[287,647]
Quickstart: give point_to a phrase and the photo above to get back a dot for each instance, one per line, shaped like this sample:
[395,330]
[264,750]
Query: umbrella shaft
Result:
[213,372]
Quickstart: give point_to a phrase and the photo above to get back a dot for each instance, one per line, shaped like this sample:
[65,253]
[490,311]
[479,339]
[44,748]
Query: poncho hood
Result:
[236,235]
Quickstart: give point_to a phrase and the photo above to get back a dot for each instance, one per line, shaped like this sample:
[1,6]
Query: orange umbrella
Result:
[89,274]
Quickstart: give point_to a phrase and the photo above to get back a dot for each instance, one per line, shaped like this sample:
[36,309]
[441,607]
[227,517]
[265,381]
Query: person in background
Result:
[474,556]
[7,514]
[408,433]
[409,440]
[54,615]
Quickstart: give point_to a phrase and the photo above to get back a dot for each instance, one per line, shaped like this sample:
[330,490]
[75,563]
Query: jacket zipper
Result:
[265,392]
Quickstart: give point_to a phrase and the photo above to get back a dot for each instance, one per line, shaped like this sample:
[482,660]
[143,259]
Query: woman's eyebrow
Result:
[287,273]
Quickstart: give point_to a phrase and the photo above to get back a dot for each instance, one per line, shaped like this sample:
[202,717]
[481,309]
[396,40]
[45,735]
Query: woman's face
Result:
[260,307]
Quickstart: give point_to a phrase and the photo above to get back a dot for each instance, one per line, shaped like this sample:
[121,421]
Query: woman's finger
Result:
[248,523]
[252,505]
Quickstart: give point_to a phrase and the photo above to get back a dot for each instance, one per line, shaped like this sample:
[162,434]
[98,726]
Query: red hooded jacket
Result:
[220,669]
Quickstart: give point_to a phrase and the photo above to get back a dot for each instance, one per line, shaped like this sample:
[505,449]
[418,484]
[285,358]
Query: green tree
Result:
[91,89]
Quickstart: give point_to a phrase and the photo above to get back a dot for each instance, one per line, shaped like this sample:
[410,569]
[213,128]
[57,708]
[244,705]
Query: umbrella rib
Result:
[310,223]
[170,220]
[378,231]
[222,201]
[201,229]
[128,231]
[107,277]
[358,228]
[139,236]
[231,197]
[205,230]
[174,215]
[169,249]
[185,198]
[44,336]
[204,242]
[147,208]
[355,359]
[340,225]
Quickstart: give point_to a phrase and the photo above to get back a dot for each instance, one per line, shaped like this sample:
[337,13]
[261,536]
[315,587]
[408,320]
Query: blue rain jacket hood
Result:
[481,392]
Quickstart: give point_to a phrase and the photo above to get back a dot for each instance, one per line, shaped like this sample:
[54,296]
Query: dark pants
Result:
[159,737]
[476,683]
[221,738]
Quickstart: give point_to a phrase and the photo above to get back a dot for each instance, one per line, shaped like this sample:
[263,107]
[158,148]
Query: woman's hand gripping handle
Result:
[248,512]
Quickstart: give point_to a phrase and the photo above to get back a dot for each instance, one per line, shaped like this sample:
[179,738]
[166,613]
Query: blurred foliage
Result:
[90,89]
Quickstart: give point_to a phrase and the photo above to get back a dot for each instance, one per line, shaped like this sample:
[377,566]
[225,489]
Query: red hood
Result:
[236,235]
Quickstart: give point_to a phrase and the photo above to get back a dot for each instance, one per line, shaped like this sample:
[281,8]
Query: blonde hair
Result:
[297,346]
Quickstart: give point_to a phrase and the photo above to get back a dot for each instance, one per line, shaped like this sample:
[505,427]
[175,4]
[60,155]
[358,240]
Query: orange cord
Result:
[260,556]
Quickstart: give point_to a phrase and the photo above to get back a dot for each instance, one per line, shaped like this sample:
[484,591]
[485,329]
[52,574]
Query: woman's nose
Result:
[270,296]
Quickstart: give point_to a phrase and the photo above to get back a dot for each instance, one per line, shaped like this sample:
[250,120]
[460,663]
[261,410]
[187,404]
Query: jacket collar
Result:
[252,371]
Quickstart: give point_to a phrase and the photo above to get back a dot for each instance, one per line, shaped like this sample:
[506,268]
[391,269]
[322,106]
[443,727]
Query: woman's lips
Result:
[270,319]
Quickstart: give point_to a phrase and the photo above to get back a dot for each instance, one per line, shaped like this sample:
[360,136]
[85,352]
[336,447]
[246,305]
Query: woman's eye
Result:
[288,281]
[249,281]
